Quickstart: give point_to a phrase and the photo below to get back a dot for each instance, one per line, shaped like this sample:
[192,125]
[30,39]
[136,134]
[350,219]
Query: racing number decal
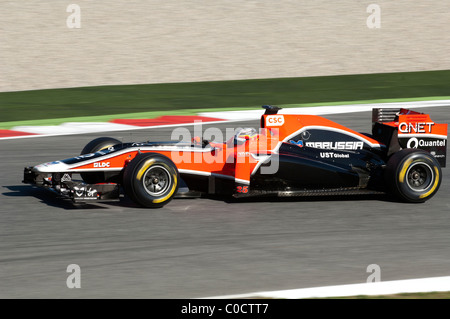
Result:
[242,189]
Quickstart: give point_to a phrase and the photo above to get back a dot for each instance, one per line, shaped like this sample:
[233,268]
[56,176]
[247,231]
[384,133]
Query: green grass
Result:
[107,102]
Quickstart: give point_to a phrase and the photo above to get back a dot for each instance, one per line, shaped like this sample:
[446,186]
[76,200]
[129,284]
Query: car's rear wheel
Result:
[151,180]
[93,146]
[413,175]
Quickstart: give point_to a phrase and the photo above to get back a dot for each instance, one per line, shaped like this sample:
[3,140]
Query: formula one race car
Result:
[291,155]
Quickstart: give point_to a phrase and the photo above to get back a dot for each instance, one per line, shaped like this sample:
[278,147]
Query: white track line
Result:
[369,289]
[86,129]
[321,110]
[73,128]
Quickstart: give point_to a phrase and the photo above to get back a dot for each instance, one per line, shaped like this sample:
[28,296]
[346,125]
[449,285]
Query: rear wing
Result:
[403,128]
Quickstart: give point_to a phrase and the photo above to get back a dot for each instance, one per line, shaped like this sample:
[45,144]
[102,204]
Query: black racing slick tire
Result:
[93,146]
[151,180]
[413,175]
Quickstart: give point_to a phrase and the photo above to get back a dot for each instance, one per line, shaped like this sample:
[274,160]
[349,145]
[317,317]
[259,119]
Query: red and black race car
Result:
[290,155]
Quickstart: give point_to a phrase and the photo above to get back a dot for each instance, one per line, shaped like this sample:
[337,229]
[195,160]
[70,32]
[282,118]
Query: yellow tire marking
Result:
[147,164]
[436,181]
[160,200]
[403,171]
[108,146]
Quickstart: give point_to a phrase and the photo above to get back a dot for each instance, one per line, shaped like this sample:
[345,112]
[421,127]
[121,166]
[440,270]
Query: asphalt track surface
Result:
[207,246]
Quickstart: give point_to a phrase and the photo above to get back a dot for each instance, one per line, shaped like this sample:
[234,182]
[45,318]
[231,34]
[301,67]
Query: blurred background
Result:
[155,41]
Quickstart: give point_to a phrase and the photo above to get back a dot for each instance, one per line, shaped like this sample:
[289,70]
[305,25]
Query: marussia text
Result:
[232,308]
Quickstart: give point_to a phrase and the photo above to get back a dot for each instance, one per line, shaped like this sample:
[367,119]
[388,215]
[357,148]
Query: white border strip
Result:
[400,135]
[60,166]
[322,110]
[73,128]
[332,129]
[113,128]
[369,289]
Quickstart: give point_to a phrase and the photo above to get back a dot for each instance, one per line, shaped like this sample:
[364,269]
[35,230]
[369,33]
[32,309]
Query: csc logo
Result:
[274,120]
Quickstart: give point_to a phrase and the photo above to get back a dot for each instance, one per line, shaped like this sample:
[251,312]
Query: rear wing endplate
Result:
[403,128]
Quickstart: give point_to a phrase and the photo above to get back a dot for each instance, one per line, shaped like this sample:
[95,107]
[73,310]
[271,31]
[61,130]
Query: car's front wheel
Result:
[151,180]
